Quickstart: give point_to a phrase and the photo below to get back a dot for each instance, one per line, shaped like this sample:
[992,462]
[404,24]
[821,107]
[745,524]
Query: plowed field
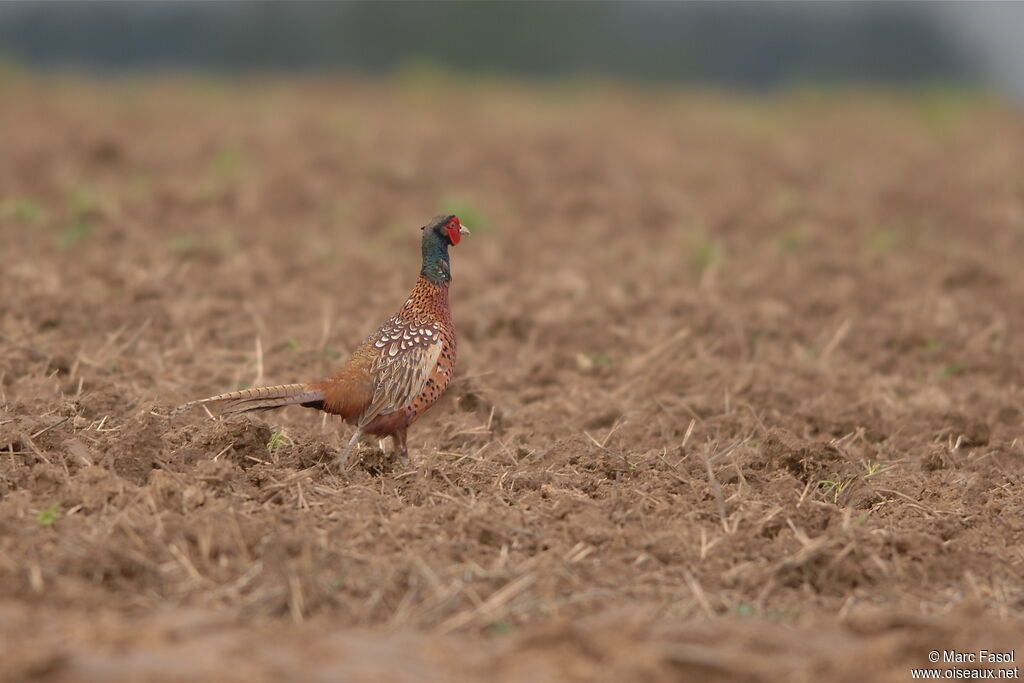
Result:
[739,393]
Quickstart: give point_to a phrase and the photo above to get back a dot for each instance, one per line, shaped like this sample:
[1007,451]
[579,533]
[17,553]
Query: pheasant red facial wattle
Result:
[397,373]
[454,230]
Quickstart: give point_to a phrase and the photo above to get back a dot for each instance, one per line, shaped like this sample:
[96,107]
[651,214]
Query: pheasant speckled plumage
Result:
[397,373]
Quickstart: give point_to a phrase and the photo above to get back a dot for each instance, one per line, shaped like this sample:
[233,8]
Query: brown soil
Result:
[739,392]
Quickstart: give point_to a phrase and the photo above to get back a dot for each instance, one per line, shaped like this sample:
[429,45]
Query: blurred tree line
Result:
[744,44]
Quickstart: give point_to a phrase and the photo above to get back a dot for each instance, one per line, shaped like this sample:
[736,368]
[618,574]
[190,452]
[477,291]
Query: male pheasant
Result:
[396,374]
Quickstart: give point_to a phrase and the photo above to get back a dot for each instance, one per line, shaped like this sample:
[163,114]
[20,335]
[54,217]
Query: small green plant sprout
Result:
[791,241]
[24,211]
[278,439]
[950,369]
[469,213]
[884,239]
[941,108]
[83,208]
[184,244]
[834,486]
[83,203]
[74,233]
[48,515]
[500,628]
[745,609]
[873,468]
[229,162]
[705,252]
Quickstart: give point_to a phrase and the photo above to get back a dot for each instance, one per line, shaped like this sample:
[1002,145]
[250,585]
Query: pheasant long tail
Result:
[262,398]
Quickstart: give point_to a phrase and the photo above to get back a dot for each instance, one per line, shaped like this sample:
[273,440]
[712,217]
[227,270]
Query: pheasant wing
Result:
[407,354]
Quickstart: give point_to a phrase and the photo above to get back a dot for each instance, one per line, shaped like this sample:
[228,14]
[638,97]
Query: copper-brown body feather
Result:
[382,392]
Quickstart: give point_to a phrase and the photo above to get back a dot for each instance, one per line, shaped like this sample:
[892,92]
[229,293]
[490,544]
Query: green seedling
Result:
[278,439]
[950,369]
[48,515]
[706,253]
[883,240]
[791,241]
[22,210]
[83,203]
[75,233]
[229,162]
[470,214]
[834,486]
[500,628]
[83,207]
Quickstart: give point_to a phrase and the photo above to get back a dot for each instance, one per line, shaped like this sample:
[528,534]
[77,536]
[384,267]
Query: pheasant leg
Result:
[343,458]
[401,449]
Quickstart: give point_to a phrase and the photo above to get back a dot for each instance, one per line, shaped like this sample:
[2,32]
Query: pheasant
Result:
[396,374]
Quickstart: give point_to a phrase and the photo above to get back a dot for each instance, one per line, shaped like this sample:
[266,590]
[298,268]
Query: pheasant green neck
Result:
[436,266]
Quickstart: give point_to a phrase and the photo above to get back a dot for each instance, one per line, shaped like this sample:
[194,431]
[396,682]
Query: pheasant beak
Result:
[463,230]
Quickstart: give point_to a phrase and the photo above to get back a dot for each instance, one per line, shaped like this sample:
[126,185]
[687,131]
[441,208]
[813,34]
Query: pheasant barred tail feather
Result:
[261,398]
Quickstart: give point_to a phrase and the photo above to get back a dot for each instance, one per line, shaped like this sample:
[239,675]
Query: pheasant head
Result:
[439,234]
